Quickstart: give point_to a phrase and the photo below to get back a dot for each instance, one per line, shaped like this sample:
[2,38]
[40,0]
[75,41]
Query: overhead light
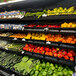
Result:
[10,2]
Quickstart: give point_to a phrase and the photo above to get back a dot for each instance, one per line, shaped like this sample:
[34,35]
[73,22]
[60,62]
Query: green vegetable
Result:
[50,72]
[37,67]
[46,69]
[56,65]
[32,72]
[36,73]
[43,65]
[47,64]
[53,68]
[51,65]
[44,73]
[40,68]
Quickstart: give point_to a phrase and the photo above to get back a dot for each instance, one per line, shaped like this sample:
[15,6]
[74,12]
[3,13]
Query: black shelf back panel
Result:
[37,5]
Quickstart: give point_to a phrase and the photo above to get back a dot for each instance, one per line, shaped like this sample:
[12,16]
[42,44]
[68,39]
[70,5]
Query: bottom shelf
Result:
[16,65]
[3,73]
[8,72]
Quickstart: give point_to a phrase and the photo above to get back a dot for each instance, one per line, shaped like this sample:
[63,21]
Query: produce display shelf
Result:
[41,37]
[48,29]
[41,56]
[41,42]
[51,17]
[51,30]
[44,30]
[9,71]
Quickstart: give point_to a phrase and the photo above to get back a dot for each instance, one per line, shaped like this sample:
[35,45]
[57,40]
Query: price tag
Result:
[14,27]
[44,15]
[48,42]
[22,52]
[21,16]
[9,16]
[23,40]
[6,48]
[4,17]
[13,75]
[16,16]
[15,39]
[22,28]
[13,16]
[46,29]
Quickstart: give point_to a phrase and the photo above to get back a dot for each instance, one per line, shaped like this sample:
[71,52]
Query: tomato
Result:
[54,50]
[42,48]
[60,52]
[35,50]
[64,53]
[50,53]
[55,54]
[70,54]
[24,48]
[30,49]
[66,57]
[71,51]
[46,53]
[26,45]
[47,49]
[72,58]
[60,55]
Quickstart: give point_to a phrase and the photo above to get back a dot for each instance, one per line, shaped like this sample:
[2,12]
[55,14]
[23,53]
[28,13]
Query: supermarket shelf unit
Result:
[45,30]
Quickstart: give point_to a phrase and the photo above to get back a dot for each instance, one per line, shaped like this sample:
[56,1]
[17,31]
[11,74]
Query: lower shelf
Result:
[40,56]
[8,72]
[41,42]
[2,73]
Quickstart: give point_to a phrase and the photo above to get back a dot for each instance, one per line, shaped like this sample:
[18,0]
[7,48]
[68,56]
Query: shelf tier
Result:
[9,71]
[65,31]
[51,17]
[41,56]
[41,42]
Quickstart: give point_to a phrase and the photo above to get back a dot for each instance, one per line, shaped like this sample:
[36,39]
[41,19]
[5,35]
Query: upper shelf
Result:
[69,31]
[52,17]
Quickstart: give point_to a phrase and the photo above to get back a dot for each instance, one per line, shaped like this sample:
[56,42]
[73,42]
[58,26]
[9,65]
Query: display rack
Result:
[64,31]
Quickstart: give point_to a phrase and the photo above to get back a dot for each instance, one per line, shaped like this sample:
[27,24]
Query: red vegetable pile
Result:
[56,52]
